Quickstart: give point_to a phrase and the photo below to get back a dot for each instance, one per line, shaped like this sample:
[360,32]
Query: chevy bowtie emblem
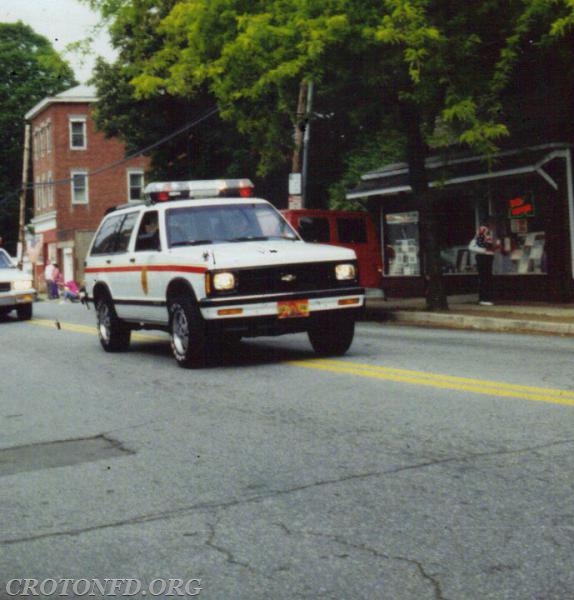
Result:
[288,277]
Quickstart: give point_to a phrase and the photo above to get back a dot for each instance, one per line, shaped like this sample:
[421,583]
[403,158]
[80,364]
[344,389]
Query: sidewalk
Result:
[465,313]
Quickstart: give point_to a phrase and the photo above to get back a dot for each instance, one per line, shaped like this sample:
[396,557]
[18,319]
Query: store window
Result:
[456,218]
[520,228]
[402,244]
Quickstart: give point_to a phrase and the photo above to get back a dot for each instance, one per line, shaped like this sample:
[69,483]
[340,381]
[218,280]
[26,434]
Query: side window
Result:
[148,233]
[135,185]
[314,229]
[78,133]
[105,241]
[125,232]
[352,231]
[79,183]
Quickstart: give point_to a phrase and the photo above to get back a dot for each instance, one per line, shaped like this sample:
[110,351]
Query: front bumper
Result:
[253,317]
[250,307]
[17,298]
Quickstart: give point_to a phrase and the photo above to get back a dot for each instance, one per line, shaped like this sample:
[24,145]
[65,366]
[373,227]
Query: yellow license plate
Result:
[288,309]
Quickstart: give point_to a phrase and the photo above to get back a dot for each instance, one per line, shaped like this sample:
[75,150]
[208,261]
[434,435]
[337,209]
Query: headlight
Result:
[345,271]
[21,285]
[224,282]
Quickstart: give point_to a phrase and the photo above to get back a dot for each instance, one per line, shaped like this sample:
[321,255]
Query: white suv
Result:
[208,263]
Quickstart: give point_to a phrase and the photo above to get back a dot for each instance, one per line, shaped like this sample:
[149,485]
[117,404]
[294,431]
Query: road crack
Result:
[257,498]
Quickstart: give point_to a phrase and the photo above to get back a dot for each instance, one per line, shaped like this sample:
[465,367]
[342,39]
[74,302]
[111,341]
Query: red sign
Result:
[520,207]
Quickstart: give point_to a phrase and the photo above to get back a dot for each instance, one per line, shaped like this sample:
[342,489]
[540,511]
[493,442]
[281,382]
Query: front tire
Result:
[188,334]
[114,335]
[332,335]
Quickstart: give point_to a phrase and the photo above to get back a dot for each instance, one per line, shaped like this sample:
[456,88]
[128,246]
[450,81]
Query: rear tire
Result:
[114,334]
[24,312]
[188,334]
[332,335]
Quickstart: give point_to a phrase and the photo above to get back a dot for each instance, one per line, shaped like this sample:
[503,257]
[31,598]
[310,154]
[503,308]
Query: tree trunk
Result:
[430,250]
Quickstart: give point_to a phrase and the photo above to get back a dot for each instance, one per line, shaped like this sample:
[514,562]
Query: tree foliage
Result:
[32,70]
[434,72]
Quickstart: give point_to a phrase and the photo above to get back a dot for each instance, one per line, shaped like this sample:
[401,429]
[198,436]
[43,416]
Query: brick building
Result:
[77,175]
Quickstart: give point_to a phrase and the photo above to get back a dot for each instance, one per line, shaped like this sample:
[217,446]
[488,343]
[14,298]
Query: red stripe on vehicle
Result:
[136,268]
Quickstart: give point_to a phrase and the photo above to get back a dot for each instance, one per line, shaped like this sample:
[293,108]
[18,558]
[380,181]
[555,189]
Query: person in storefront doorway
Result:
[484,245]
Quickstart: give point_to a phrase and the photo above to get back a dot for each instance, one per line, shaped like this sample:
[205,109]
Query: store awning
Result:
[455,170]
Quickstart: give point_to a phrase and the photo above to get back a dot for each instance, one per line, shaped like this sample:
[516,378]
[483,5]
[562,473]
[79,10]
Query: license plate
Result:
[289,309]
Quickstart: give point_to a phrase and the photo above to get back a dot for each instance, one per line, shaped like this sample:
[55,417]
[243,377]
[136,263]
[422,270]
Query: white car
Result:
[16,289]
[208,263]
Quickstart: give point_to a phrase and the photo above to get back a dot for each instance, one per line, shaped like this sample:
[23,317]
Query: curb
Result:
[458,321]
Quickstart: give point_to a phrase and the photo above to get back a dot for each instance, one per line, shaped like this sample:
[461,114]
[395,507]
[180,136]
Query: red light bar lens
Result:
[163,196]
[246,192]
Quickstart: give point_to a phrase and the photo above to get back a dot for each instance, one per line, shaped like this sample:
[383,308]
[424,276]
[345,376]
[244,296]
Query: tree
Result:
[32,70]
[413,66]
[254,58]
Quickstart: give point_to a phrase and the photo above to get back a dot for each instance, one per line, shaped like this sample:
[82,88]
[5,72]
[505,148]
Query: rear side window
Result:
[352,231]
[314,229]
[114,234]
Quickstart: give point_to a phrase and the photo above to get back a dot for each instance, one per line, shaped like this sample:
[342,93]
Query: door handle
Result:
[132,260]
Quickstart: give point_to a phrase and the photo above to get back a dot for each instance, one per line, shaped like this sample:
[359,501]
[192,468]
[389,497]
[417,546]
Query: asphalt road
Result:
[425,464]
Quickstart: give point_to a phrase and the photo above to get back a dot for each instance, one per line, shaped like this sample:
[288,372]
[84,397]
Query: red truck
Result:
[350,229]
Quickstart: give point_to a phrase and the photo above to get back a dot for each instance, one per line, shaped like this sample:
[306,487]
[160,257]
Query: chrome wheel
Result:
[180,331]
[188,337]
[113,333]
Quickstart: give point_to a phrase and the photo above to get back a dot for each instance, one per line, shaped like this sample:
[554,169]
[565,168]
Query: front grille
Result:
[287,278]
[5,287]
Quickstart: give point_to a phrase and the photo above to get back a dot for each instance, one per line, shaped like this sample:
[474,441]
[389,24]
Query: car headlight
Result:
[224,281]
[21,285]
[345,271]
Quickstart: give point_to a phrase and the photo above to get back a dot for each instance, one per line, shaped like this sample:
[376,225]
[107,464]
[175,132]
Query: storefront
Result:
[528,191]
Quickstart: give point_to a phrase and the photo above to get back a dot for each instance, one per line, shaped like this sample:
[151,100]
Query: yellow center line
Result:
[478,386]
[91,329]
[450,382]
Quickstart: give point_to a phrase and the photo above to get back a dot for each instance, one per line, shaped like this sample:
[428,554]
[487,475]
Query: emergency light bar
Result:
[165,191]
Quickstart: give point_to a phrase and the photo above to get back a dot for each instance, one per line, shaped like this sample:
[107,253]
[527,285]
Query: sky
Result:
[61,22]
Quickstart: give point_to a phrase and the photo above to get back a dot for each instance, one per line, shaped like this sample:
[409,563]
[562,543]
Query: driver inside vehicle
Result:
[148,235]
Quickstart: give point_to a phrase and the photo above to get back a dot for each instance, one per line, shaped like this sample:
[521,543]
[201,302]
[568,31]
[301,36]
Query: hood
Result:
[266,253]
[13,274]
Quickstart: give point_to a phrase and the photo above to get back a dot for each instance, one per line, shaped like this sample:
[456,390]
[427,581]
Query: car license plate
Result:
[288,309]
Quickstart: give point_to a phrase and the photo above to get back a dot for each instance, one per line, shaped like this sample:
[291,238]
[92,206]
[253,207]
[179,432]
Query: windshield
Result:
[193,225]
[5,260]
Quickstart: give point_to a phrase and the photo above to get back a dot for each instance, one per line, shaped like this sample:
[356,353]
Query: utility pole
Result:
[22,217]
[295,184]
[306,137]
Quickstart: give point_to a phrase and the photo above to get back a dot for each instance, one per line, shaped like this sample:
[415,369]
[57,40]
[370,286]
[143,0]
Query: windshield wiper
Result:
[191,243]
[250,238]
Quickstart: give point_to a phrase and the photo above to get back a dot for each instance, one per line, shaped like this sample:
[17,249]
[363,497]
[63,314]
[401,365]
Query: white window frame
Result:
[50,189]
[73,191]
[49,137]
[73,121]
[131,172]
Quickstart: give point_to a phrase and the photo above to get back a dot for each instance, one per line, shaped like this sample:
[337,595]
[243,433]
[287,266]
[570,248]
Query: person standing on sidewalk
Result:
[484,246]
[49,279]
